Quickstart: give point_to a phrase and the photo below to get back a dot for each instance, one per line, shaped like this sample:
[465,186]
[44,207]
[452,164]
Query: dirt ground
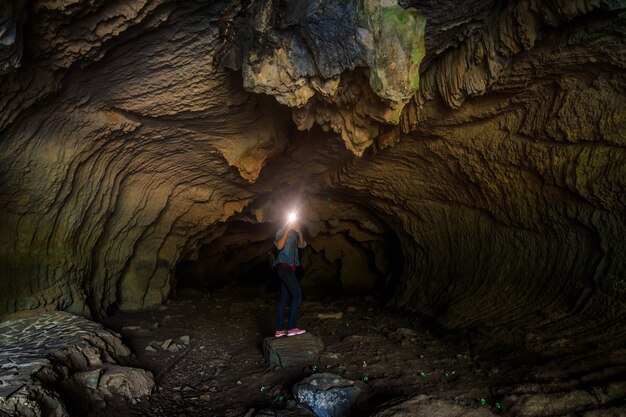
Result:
[221,371]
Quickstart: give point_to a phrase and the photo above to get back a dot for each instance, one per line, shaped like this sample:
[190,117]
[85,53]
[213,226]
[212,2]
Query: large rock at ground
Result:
[425,406]
[46,359]
[292,351]
[327,395]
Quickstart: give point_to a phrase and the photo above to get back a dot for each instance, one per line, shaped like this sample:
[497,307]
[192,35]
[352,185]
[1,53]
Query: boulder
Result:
[292,351]
[126,382]
[327,395]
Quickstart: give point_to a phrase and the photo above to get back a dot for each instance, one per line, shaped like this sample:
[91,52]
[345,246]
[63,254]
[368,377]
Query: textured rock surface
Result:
[91,185]
[128,148]
[327,395]
[303,54]
[12,17]
[423,406]
[46,358]
[292,351]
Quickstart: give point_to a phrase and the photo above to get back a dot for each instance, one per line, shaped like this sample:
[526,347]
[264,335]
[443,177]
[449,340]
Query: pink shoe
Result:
[295,332]
[280,333]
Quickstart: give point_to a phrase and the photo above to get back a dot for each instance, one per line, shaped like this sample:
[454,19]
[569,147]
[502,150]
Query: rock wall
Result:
[133,135]
[117,152]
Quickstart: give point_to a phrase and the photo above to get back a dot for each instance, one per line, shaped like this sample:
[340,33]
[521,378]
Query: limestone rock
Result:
[47,357]
[126,382]
[327,395]
[292,351]
[301,57]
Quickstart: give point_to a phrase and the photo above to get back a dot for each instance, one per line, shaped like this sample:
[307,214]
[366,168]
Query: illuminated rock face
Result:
[134,142]
[303,53]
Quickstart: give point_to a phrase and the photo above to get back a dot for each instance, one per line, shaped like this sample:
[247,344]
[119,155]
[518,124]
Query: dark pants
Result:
[289,289]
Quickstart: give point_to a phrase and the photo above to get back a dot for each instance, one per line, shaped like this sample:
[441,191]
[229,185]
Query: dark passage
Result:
[349,252]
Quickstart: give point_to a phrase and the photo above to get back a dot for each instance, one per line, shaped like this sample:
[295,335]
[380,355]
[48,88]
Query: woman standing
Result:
[289,239]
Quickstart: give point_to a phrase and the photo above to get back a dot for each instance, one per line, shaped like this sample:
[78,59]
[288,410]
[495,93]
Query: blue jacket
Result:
[289,253]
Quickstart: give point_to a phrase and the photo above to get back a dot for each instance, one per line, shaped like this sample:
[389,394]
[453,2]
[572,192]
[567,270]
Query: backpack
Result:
[272,257]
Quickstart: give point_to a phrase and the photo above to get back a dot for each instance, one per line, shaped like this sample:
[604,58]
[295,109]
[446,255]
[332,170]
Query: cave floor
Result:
[214,365]
[221,370]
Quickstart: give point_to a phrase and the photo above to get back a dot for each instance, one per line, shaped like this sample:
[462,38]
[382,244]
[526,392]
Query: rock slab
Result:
[292,351]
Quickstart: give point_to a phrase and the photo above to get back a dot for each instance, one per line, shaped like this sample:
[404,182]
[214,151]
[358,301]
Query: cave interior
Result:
[458,170]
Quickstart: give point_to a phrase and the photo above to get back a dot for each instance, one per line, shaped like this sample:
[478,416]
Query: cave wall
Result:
[127,146]
[511,207]
[117,160]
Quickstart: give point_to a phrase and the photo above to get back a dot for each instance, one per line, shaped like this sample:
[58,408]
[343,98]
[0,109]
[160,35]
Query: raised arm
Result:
[301,241]
[281,237]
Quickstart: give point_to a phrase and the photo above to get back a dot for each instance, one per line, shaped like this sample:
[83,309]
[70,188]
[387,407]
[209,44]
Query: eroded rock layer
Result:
[490,195]
[57,363]
[303,54]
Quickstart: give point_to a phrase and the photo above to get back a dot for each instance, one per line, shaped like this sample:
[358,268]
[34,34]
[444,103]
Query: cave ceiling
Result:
[488,138]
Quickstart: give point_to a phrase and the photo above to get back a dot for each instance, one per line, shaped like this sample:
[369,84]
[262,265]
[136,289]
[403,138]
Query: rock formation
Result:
[470,165]
[57,363]
[301,53]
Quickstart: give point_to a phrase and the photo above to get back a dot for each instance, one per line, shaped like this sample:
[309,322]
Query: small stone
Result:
[323,316]
[149,349]
[131,328]
[205,397]
[166,344]
[184,339]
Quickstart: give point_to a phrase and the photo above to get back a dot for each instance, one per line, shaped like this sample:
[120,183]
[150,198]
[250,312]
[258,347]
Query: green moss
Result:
[615,4]
[398,50]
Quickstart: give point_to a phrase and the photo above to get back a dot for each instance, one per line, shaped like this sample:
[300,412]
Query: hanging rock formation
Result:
[475,159]
[348,66]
